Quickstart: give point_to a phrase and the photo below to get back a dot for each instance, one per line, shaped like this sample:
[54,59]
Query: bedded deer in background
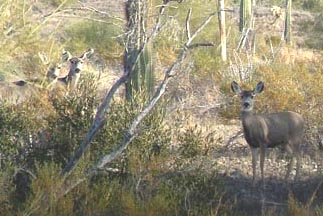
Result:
[69,75]
[269,130]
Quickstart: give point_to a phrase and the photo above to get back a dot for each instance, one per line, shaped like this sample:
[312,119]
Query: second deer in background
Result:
[71,75]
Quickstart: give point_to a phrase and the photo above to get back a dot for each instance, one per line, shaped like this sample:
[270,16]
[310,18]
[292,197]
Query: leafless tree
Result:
[130,133]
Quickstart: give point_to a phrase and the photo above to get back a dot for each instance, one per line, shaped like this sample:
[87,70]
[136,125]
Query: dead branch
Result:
[130,134]
[100,119]
[238,135]
[188,28]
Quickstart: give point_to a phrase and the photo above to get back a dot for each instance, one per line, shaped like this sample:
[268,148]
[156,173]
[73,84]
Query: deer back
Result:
[273,129]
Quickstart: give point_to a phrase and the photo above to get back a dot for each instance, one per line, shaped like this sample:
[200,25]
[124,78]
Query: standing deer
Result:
[269,130]
[69,76]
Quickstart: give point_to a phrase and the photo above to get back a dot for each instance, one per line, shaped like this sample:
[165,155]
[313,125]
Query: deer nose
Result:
[77,70]
[246,105]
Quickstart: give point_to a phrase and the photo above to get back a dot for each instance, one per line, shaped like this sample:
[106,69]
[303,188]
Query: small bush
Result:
[47,193]
[195,194]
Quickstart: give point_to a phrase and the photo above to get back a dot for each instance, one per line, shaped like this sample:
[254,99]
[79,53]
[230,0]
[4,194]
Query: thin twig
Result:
[199,29]
[238,135]
[188,17]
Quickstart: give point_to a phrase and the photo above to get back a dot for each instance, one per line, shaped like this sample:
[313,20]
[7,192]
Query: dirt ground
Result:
[232,159]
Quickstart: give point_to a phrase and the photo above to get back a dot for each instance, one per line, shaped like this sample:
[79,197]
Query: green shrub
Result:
[151,141]
[195,193]
[18,124]
[99,36]
[47,193]
[74,112]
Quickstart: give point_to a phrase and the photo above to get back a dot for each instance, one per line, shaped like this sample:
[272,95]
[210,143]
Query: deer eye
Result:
[73,61]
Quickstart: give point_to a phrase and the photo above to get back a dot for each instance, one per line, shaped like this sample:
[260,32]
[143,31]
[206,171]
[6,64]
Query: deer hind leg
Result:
[290,164]
[297,154]
[298,166]
[254,155]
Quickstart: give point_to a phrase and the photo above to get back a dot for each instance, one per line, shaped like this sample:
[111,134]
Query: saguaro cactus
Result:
[137,58]
[288,29]
[245,14]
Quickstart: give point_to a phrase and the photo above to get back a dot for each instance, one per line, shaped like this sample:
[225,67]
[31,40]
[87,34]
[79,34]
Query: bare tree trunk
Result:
[223,37]
[288,28]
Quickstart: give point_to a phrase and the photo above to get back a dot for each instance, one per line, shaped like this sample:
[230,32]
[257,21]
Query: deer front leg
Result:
[262,162]
[254,155]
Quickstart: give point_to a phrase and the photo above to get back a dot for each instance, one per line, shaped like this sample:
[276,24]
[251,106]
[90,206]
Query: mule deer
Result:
[69,76]
[270,130]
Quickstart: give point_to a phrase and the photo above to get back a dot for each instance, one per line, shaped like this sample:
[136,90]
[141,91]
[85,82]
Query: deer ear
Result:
[87,54]
[259,88]
[235,87]
[66,56]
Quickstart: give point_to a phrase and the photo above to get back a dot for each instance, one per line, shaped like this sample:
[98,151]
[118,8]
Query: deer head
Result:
[69,75]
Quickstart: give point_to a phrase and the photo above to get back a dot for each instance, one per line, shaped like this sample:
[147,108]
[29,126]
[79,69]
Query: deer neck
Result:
[246,114]
[250,124]
[246,117]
